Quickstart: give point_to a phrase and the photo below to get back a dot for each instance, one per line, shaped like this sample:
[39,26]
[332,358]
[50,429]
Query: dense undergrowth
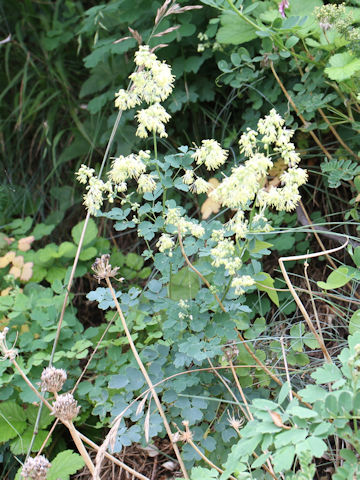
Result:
[216,148]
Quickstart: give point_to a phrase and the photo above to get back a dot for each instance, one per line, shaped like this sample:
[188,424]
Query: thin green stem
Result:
[244,17]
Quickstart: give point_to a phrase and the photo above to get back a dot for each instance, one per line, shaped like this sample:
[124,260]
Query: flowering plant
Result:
[148,192]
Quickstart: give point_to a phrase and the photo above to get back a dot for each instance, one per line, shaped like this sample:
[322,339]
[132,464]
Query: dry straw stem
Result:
[72,273]
[246,346]
[80,435]
[296,297]
[258,361]
[204,457]
[306,266]
[291,101]
[286,368]
[82,450]
[115,424]
[325,118]
[318,239]
[77,382]
[246,413]
[148,381]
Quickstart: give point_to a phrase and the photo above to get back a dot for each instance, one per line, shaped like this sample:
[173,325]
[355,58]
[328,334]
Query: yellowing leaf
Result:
[9,240]
[25,243]
[6,259]
[18,261]
[210,205]
[27,272]
[278,168]
[16,271]
[5,292]
[276,418]
[24,328]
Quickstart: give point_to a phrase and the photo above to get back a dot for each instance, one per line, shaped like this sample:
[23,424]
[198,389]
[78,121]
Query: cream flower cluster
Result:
[225,254]
[152,83]
[94,197]
[152,119]
[122,170]
[173,217]
[246,182]
[243,281]
[165,242]
[211,154]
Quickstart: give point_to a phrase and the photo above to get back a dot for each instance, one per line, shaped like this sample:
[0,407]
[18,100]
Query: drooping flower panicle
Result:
[152,83]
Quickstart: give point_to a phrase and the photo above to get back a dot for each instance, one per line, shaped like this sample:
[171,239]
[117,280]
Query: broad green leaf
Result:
[293,436]
[12,421]
[184,284]
[349,456]
[354,324]
[312,393]
[260,460]
[264,285]
[41,230]
[45,418]
[331,404]
[65,464]
[134,261]
[291,41]
[90,234]
[356,256]
[284,391]
[260,246]
[199,473]
[256,328]
[88,253]
[303,7]
[283,458]
[263,404]
[342,66]
[55,273]
[337,278]
[19,446]
[314,445]
[297,358]
[327,373]
[301,412]
[67,250]
[234,30]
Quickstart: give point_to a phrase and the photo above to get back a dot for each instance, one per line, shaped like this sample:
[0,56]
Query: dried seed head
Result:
[231,350]
[35,468]
[52,379]
[7,352]
[187,435]
[65,407]
[102,268]
[235,423]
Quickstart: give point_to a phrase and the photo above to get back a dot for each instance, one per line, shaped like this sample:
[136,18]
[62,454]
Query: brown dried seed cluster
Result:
[52,379]
[65,407]
[102,268]
[35,468]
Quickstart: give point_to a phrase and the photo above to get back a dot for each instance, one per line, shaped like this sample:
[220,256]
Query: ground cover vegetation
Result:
[179,254]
